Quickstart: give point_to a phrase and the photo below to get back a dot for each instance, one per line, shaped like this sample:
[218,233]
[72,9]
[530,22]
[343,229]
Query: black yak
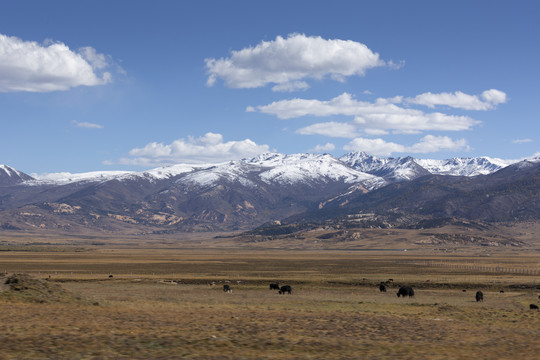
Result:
[405,291]
[274,286]
[382,287]
[479,296]
[285,289]
[227,288]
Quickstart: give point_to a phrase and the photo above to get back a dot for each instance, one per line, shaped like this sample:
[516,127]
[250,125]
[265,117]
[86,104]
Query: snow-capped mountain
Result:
[408,168]
[64,178]
[373,172]
[230,195]
[271,168]
[226,196]
[391,169]
[507,195]
[307,168]
[10,176]
[464,166]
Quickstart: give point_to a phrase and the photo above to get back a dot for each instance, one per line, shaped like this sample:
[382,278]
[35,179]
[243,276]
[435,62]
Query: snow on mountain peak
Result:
[408,168]
[351,168]
[11,176]
[275,168]
[310,167]
[232,171]
[463,166]
[9,171]
[166,172]
[63,178]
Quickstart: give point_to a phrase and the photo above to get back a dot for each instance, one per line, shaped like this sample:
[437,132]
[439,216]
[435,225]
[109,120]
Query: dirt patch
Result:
[25,288]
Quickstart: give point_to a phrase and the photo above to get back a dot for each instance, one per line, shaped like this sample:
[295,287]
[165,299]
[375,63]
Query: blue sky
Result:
[118,85]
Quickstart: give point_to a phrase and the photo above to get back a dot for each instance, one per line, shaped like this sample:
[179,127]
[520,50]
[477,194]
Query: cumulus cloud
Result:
[430,143]
[331,129]
[427,144]
[285,62]
[291,86]
[30,66]
[380,116]
[86,125]
[323,148]
[374,146]
[488,100]
[209,148]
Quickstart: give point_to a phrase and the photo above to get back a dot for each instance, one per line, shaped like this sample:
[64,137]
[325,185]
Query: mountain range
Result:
[243,194]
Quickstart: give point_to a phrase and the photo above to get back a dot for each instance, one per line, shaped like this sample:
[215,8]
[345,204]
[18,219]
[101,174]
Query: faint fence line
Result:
[471,267]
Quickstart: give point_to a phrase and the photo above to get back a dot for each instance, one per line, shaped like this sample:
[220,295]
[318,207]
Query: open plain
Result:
[103,299]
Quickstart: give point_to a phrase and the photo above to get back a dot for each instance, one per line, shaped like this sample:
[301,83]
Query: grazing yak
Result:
[227,288]
[405,291]
[285,289]
[382,287]
[533,307]
[274,286]
[479,296]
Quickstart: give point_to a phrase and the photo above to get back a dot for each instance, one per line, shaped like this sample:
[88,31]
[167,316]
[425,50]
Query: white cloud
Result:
[209,148]
[286,61]
[98,61]
[86,125]
[332,129]
[374,146]
[488,100]
[427,144]
[396,65]
[291,86]
[375,132]
[412,122]
[29,66]
[522,141]
[323,148]
[430,144]
[382,115]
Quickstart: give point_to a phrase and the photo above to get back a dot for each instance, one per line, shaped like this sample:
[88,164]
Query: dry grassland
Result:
[160,304]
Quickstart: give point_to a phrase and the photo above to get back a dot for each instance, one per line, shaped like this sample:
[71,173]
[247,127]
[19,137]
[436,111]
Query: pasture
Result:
[168,303]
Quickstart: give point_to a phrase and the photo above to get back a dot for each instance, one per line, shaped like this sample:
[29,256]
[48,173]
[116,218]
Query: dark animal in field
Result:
[479,296]
[110,276]
[502,291]
[227,288]
[533,307]
[405,291]
[382,287]
[464,290]
[274,286]
[285,289]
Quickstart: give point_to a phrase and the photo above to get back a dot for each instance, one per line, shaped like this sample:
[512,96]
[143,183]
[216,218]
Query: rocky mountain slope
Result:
[240,195]
[10,176]
[409,168]
[228,196]
[510,194]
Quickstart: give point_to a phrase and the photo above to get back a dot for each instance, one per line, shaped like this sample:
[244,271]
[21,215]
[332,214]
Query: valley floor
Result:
[169,304]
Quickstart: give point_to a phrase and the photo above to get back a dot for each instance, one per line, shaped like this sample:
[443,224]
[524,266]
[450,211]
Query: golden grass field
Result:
[160,303]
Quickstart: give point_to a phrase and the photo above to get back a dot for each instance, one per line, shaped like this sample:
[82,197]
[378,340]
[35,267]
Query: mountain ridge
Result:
[230,196]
